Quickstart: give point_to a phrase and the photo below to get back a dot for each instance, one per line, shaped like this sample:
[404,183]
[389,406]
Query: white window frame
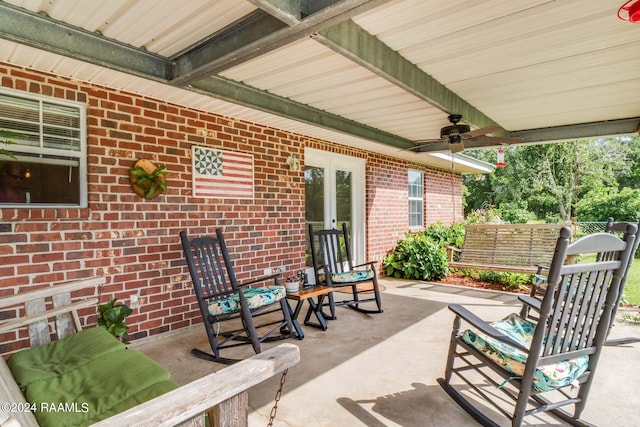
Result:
[415,198]
[48,155]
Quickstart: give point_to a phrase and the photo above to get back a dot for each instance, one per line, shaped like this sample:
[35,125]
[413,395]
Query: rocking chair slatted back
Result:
[215,281]
[333,249]
[579,293]
[333,266]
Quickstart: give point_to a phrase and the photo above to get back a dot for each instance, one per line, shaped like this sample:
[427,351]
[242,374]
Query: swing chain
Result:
[274,410]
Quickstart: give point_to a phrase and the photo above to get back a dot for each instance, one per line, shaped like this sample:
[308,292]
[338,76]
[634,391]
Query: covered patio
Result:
[381,370]
[277,81]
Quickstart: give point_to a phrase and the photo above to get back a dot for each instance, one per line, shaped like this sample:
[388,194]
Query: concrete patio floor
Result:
[381,370]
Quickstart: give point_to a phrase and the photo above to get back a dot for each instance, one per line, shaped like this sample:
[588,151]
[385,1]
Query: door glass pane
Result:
[343,199]
[314,202]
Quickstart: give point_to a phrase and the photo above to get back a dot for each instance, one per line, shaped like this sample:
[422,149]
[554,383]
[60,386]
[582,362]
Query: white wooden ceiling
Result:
[375,74]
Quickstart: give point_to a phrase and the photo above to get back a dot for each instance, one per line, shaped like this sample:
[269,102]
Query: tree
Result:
[623,205]
[550,180]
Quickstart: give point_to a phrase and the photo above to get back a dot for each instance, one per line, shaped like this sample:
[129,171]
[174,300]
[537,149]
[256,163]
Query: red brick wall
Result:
[134,242]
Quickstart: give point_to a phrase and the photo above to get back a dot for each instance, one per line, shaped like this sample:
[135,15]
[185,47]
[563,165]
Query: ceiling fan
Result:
[456,137]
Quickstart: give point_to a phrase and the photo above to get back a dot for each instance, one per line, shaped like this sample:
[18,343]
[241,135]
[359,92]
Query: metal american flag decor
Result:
[222,174]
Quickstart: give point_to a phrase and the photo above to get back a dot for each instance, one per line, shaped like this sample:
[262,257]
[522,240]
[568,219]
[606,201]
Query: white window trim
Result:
[333,161]
[410,198]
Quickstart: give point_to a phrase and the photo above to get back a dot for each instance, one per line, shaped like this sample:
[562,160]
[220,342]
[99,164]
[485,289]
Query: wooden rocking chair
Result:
[221,298]
[533,301]
[550,364]
[333,266]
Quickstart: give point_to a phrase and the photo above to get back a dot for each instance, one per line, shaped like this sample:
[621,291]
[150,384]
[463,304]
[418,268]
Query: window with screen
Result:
[44,163]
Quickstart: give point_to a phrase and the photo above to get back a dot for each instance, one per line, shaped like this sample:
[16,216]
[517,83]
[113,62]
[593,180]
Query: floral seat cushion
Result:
[256,297]
[548,377]
[352,276]
[539,280]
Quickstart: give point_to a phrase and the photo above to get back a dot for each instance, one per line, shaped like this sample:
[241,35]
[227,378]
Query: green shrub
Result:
[483,216]
[443,235]
[419,257]
[515,214]
[509,281]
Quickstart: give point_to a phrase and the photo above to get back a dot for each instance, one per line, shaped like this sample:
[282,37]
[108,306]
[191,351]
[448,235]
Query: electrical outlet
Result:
[134,301]
[267,272]
[280,269]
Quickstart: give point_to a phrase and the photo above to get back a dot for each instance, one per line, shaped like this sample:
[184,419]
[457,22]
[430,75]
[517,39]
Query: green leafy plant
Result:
[452,235]
[509,281]
[148,181]
[4,135]
[113,317]
[417,257]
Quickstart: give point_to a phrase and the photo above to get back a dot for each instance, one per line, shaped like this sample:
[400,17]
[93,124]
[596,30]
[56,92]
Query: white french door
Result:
[335,194]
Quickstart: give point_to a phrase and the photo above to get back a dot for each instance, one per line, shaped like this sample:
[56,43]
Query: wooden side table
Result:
[315,307]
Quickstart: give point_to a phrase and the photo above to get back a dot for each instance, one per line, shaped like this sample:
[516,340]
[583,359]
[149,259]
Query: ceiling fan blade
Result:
[489,142]
[438,145]
[480,132]
[499,140]
[421,143]
[429,141]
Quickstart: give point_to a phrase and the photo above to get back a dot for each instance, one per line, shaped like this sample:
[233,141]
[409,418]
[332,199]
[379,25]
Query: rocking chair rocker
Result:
[221,298]
[333,266]
[550,364]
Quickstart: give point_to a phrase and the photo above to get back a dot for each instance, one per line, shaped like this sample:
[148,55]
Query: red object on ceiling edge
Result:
[630,11]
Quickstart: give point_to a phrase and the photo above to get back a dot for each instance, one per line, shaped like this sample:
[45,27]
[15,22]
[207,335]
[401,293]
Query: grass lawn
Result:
[632,288]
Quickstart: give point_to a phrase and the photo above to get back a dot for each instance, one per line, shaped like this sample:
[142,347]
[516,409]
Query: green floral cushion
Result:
[548,377]
[352,276]
[256,297]
[539,280]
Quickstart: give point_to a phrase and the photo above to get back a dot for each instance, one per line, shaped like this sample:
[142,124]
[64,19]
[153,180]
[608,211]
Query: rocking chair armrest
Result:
[484,327]
[532,302]
[259,279]
[368,263]
[541,267]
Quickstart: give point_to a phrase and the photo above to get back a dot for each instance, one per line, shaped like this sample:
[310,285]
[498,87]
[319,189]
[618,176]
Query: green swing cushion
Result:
[86,377]
[49,361]
[256,297]
[548,377]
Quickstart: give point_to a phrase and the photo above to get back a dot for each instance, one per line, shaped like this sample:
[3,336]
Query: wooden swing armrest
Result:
[450,252]
[182,405]
[484,327]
